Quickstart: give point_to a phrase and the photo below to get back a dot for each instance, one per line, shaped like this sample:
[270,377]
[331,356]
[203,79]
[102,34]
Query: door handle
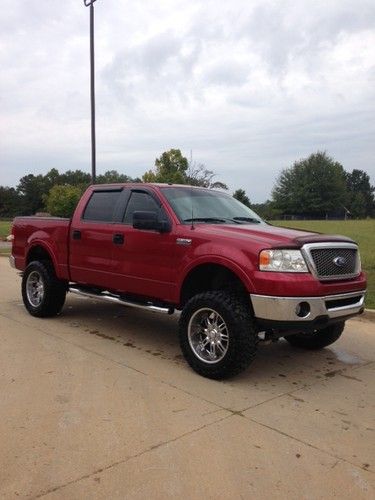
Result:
[76,234]
[118,239]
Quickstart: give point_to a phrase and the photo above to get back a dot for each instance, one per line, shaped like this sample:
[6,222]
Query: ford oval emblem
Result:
[339,261]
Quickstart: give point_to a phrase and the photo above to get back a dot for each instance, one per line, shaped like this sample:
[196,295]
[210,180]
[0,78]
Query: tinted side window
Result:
[101,206]
[139,201]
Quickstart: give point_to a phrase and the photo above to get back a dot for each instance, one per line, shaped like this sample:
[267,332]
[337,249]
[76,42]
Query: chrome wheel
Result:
[35,289]
[218,337]
[208,335]
[42,292]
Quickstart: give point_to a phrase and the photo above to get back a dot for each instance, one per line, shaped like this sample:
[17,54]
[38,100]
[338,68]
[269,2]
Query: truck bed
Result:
[52,232]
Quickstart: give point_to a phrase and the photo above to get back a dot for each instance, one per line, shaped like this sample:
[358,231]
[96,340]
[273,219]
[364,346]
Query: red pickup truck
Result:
[235,278]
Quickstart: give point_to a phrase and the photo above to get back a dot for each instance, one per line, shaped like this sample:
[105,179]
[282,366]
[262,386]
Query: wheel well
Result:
[38,253]
[210,277]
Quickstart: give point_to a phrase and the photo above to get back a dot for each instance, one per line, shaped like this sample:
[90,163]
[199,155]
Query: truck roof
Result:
[148,184]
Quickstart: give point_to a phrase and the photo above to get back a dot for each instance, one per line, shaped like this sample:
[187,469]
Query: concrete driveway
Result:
[98,403]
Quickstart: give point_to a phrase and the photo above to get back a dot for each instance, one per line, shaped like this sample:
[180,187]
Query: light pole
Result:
[90,3]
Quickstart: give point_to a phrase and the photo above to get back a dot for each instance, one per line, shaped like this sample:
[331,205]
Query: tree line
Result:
[37,193]
[317,187]
[58,193]
[314,187]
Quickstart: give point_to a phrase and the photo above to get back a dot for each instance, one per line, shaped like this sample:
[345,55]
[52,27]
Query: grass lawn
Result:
[361,231]
[4,228]
[4,232]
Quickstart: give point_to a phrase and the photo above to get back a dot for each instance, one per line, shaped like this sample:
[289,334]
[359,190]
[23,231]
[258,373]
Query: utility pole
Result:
[90,3]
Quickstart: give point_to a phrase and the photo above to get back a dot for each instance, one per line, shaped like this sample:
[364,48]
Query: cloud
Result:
[249,87]
[158,66]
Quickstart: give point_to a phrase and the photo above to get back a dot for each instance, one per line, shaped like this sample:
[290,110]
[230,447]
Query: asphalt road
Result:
[99,404]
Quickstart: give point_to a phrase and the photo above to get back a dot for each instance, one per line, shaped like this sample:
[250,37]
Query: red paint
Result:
[151,264]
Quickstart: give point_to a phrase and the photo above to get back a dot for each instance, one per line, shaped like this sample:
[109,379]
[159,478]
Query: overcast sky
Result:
[248,86]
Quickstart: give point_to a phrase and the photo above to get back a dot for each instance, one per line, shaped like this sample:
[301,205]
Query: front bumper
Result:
[306,312]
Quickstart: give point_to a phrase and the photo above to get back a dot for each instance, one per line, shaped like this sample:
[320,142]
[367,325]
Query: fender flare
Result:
[221,261]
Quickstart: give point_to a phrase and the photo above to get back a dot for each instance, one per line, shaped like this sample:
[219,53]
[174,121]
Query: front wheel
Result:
[217,334]
[42,292]
[318,338]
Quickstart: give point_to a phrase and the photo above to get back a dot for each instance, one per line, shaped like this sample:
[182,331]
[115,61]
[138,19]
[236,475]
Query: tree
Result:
[62,200]
[360,197]
[51,178]
[198,175]
[241,196]
[74,178]
[9,202]
[266,210]
[31,189]
[313,187]
[174,168]
[113,177]
[171,167]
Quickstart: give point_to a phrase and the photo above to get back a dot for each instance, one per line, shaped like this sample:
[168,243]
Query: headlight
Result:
[283,261]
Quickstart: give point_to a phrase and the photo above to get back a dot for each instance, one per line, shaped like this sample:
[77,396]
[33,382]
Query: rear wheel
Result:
[318,338]
[217,334]
[42,292]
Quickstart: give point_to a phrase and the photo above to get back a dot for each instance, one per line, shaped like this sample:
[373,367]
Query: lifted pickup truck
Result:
[164,247]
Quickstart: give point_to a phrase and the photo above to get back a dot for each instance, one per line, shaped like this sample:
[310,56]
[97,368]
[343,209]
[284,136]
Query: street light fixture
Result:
[90,3]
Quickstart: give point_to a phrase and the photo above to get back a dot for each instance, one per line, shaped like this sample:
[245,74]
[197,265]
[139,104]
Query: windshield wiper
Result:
[246,219]
[221,220]
[205,219]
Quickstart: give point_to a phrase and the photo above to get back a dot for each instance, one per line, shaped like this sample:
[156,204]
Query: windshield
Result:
[207,206]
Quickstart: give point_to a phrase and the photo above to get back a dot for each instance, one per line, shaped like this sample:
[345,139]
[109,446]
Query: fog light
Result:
[303,309]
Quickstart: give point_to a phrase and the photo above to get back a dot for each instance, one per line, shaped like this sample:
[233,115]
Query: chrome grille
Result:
[333,261]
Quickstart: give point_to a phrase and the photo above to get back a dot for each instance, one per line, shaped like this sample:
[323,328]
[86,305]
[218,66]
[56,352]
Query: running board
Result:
[110,297]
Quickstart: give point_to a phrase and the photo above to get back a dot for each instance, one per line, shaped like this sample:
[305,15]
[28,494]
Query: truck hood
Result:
[268,236]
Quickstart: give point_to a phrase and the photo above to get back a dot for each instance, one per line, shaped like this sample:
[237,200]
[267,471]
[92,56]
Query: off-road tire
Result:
[319,338]
[53,290]
[234,310]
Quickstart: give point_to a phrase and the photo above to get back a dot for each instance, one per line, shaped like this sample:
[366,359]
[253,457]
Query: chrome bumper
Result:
[12,261]
[295,309]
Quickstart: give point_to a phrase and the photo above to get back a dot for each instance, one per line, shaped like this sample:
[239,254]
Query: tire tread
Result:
[55,290]
[244,338]
[320,339]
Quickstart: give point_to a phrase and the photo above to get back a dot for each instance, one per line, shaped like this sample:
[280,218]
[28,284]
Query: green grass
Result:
[4,228]
[361,231]
[4,232]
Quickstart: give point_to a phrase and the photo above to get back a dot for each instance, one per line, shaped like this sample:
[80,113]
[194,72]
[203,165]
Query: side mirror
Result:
[150,221]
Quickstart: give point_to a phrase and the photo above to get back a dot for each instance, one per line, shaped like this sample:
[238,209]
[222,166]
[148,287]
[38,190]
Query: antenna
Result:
[192,208]
[191,191]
